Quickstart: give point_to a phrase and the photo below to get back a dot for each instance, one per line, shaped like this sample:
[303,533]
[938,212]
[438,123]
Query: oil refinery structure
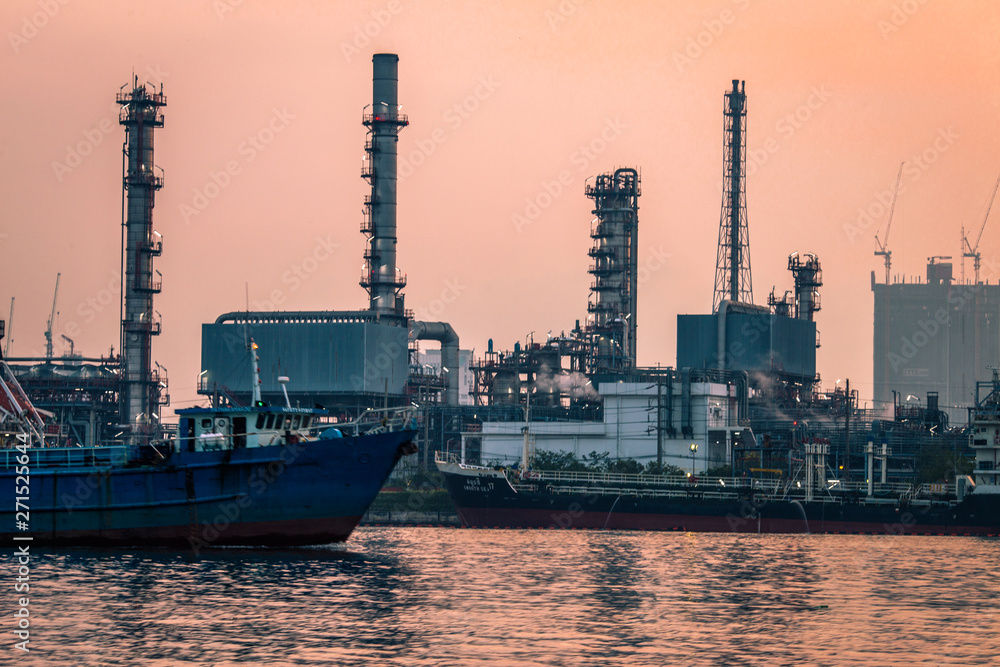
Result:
[744,390]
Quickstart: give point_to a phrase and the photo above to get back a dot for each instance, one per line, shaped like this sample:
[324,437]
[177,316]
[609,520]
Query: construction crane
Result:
[70,341]
[10,329]
[52,319]
[973,251]
[882,245]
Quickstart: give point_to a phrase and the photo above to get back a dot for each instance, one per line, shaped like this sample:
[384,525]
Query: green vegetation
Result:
[415,491]
[719,471]
[598,462]
[395,500]
[936,463]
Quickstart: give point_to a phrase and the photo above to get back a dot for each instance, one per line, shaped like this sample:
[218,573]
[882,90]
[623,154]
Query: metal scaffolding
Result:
[732,264]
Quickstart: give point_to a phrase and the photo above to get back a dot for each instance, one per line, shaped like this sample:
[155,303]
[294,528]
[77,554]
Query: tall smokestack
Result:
[381,277]
[140,394]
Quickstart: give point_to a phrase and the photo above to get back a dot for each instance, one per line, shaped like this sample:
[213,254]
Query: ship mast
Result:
[255,373]
[525,465]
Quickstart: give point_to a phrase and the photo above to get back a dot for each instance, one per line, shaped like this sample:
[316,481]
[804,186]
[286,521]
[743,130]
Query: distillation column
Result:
[380,276]
[732,265]
[612,303]
[140,392]
[808,278]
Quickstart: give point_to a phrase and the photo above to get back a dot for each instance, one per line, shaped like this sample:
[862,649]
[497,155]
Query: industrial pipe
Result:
[443,333]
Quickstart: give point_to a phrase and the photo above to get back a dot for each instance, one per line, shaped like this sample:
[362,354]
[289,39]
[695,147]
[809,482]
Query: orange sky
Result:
[509,103]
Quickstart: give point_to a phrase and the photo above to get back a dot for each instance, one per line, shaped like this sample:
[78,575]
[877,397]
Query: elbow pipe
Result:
[444,334]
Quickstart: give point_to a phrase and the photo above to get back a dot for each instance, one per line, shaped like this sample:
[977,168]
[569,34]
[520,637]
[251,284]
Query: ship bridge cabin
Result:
[209,429]
[985,422]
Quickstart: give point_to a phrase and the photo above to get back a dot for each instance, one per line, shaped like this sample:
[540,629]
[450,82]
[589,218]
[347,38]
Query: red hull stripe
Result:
[548,519]
[268,533]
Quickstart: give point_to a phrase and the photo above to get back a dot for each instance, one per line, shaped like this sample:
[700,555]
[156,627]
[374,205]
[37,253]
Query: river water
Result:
[446,596]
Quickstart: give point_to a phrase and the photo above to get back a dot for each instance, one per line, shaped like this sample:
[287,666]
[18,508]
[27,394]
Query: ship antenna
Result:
[256,373]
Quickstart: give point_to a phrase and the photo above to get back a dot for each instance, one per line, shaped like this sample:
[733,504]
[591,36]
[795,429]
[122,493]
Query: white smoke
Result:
[574,385]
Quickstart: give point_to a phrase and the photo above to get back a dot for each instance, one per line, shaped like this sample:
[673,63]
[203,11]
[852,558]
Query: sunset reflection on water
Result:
[438,596]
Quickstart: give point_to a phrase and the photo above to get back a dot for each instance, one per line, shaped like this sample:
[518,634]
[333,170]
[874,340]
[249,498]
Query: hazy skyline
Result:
[512,105]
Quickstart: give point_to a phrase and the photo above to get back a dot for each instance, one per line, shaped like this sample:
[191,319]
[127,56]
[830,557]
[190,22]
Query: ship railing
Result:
[445,457]
[711,493]
[642,480]
[891,488]
[935,490]
[452,457]
[66,457]
[381,420]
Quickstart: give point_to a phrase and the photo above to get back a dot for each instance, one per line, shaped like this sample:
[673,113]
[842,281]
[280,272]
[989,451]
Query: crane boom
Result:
[52,319]
[973,251]
[882,245]
[10,329]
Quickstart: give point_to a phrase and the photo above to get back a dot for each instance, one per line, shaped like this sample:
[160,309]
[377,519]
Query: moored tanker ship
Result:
[494,497]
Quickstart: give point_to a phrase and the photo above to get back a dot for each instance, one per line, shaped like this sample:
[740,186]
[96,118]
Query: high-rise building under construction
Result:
[933,340]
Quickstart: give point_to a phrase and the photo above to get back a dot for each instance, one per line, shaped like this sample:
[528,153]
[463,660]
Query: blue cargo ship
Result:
[258,475]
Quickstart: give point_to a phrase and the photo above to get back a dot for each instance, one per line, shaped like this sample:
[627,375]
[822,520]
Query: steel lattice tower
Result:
[732,264]
[141,386]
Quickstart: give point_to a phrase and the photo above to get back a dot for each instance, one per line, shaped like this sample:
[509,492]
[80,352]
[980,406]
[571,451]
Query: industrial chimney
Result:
[380,276]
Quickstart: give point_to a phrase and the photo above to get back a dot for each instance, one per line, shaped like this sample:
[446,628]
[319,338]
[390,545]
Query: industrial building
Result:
[351,360]
[742,368]
[775,345]
[582,391]
[651,421]
[933,339]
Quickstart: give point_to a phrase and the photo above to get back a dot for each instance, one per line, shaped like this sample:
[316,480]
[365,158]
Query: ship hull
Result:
[487,500]
[295,494]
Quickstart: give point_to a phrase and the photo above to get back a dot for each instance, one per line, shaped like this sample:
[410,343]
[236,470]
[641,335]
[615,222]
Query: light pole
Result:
[694,450]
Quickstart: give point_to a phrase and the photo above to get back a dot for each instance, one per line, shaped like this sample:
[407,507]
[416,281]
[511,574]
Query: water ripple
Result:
[426,596]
